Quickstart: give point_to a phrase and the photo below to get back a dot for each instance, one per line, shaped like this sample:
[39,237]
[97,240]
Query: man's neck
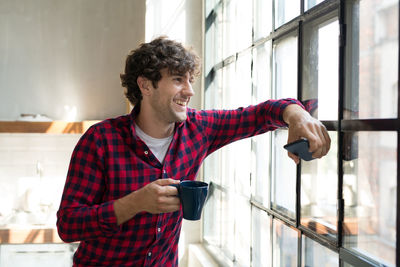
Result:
[153,127]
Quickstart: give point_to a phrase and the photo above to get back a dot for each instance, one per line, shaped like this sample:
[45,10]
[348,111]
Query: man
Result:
[116,200]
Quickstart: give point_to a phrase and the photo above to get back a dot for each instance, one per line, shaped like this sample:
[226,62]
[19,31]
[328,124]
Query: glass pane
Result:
[262,73]
[285,67]
[213,42]
[319,192]
[238,23]
[311,3]
[261,157]
[229,89]
[212,218]
[284,177]
[242,230]
[285,10]
[213,94]
[370,191]
[261,233]
[236,171]
[372,81]
[320,69]
[261,144]
[212,168]
[228,224]
[314,254]
[244,24]
[239,95]
[285,245]
[262,18]
[229,43]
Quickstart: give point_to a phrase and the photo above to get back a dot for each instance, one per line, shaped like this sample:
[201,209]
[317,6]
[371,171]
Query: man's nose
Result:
[188,89]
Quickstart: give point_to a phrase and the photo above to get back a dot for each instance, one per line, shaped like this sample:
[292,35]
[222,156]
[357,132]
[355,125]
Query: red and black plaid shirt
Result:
[110,161]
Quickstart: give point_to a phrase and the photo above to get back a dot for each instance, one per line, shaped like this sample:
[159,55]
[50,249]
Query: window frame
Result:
[341,125]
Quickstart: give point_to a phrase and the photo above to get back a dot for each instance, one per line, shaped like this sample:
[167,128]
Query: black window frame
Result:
[341,125]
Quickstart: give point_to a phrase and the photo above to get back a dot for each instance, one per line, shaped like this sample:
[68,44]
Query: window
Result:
[340,58]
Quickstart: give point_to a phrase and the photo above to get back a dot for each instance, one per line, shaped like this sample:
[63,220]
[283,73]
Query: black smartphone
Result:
[300,148]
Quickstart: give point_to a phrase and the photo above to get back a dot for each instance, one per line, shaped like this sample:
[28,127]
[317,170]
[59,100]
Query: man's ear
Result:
[144,85]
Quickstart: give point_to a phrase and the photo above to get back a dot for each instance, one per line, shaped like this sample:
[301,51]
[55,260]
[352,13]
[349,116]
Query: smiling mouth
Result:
[181,103]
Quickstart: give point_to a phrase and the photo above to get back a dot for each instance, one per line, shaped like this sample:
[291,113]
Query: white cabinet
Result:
[37,255]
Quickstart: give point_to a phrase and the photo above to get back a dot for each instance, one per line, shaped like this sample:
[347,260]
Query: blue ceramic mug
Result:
[192,195]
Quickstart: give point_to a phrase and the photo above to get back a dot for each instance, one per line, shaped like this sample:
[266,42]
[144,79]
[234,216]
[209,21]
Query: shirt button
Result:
[146,152]
[158,229]
[149,254]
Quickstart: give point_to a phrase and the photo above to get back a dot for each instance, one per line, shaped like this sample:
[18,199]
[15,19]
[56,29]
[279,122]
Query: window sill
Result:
[199,257]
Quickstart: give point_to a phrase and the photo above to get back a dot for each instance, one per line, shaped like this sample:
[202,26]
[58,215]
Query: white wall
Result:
[56,54]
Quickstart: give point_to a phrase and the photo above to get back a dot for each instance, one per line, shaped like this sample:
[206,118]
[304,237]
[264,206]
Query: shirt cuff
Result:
[107,219]
[286,102]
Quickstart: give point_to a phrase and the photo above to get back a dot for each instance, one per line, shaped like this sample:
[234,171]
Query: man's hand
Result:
[156,197]
[301,124]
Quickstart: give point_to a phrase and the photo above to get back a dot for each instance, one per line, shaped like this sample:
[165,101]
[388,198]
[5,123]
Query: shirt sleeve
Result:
[82,214]
[226,126]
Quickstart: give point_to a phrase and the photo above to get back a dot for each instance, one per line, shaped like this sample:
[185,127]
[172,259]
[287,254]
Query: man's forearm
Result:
[125,209]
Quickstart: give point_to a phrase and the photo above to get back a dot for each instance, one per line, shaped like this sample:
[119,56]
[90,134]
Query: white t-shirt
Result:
[158,146]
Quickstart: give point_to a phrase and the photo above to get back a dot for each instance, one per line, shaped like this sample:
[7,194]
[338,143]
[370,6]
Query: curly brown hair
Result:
[149,58]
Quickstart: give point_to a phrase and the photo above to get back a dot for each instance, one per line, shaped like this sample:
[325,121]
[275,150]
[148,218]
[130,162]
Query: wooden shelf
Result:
[24,236]
[53,127]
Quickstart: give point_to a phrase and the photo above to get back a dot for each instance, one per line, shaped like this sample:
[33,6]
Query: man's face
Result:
[171,97]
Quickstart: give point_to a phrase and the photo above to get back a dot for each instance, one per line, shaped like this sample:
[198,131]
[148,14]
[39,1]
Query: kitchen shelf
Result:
[52,127]
[23,236]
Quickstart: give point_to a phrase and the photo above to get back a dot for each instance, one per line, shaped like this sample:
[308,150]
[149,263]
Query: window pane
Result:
[213,42]
[285,245]
[212,168]
[314,254]
[261,158]
[229,44]
[238,23]
[311,3]
[213,93]
[319,192]
[239,169]
[285,67]
[370,192]
[284,177]
[228,224]
[372,81]
[244,24]
[261,144]
[240,94]
[262,18]
[285,10]
[229,89]
[261,233]
[212,222]
[242,230]
[262,73]
[320,69]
